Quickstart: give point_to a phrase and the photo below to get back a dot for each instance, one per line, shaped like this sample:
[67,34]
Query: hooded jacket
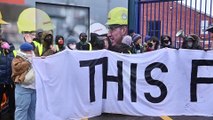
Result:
[20,67]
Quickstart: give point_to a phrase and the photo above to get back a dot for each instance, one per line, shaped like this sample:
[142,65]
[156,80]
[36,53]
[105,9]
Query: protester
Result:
[117,24]
[152,44]
[23,76]
[83,44]
[132,32]
[96,41]
[166,42]
[32,29]
[191,42]
[99,39]
[59,41]
[6,84]
[137,44]
[48,48]
[71,43]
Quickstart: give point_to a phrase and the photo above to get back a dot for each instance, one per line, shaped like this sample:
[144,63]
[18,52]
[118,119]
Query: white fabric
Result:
[63,86]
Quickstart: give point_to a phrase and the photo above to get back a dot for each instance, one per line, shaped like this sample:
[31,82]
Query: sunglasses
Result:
[33,33]
[113,27]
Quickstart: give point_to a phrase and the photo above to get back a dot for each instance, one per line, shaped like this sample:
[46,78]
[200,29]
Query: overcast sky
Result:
[199,2]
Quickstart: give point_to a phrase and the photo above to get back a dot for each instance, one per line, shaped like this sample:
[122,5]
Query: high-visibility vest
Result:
[39,46]
[90,46]
[14,53]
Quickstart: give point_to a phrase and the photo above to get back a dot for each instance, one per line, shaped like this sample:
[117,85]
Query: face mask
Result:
[84,39]
[48,40]
[166,42]
[60,42]
[5,45]
[190,44]
[72,46]
[150,45]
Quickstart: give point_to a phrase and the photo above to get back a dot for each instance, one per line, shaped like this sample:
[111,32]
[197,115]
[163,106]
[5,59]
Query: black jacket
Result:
[5,67]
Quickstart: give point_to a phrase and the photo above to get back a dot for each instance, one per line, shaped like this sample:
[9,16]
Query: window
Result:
[153,28]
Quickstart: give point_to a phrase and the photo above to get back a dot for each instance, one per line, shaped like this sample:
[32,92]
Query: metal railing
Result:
[167,17]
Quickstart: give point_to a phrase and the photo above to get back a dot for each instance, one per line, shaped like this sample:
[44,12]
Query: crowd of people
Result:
[17,79]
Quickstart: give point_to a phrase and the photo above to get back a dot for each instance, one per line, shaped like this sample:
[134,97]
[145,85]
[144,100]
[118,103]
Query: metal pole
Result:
[195,18]
[171,18]
[185,16]
[167,18]
[190,17]
[176,20]
[200,17]
[163,20]
[205,24]
[180,20]
[209,46]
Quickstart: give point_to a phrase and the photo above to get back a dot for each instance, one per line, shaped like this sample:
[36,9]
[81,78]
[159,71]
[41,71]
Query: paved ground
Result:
[122,117]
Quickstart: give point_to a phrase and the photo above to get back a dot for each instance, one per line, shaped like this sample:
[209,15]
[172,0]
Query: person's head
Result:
[83,37]
[99,35]
[147,38]
[131,32]
[127,40]
[98,29]
[26,48]
[137,39]
[153,43]
[5,45]
[47,40]
[59,40]
[71,43]
[190,41]
[117,24]
[32,19]
[166,41]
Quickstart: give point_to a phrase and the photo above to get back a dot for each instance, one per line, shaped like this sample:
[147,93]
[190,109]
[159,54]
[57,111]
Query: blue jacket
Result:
[5,67]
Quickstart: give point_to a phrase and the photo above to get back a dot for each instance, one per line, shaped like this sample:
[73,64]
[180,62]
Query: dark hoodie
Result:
[195,43]
[166,43]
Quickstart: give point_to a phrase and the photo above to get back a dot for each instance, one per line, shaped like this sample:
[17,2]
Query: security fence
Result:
[167,17]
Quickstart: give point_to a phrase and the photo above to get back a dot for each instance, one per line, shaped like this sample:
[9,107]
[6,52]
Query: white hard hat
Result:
[98,28]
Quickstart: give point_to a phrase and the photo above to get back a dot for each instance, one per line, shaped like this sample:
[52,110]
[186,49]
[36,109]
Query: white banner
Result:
[81,84]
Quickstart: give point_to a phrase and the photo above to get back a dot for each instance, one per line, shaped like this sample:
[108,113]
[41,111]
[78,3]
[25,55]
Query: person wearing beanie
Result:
[24,78]
[137,44]
[71,43]
[127,40]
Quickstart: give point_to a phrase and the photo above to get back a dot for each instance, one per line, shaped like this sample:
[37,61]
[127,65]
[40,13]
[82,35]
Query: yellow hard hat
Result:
[32,19]
[1,20]
[118,15]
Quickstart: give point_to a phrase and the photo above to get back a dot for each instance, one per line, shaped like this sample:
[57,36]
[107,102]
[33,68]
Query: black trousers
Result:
[9,89]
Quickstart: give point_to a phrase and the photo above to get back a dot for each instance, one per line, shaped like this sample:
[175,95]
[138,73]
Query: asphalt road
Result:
[123,117]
